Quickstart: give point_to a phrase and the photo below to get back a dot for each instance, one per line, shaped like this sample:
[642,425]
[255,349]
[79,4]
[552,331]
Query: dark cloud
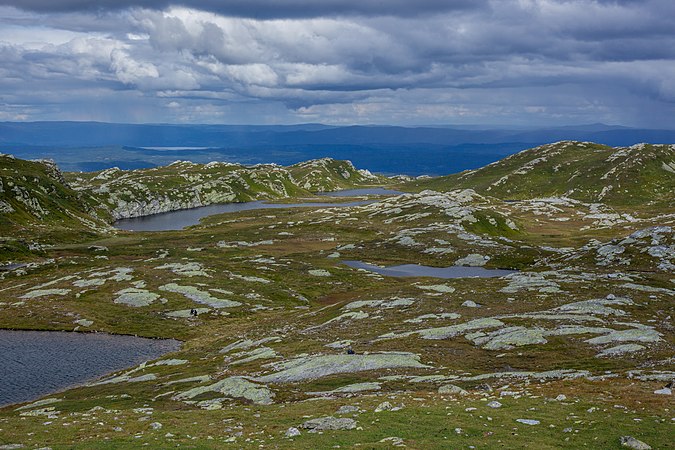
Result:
[517,61]
[262,9]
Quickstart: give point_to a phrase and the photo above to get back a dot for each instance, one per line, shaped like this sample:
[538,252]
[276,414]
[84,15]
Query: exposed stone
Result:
[319,273]
[44,293]
[452,389]
[190,269]
[380,304]
[135,297]
[471,304]
[635,444]
[329,423]
[473,260]
[292,432]
[318,366]
[528,421]
[620,350]
[443,288]
[384,406]
[351,388]
[199,296]
[635,334]
[235,387]
[449,331]
[347,409]
[508,338]
[420,319]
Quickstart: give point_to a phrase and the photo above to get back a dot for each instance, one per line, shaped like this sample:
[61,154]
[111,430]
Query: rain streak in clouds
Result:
[540,62]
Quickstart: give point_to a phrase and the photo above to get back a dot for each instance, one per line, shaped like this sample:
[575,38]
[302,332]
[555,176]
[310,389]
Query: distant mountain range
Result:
[90,146]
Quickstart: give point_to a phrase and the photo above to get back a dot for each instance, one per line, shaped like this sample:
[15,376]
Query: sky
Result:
[339,62]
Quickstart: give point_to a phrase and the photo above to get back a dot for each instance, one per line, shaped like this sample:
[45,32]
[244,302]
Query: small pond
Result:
[38,363]
[11,266]
[417,270]
[177,220]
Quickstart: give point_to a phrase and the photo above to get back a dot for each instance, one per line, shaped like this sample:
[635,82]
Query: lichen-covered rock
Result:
[235,387]
[449,331]
[452,389]
[199,296]
[443,288]
[351,388]
[473,260]
[635,444]
[508,338]
[329,423]
[190,269]
[424,317]
[44,293]
[318,366]
[642,334]
[380,304]
[620,350]
[135,297]
[319,272]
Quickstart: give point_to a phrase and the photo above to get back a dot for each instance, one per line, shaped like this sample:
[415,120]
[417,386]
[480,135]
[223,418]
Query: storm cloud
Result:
[399,62]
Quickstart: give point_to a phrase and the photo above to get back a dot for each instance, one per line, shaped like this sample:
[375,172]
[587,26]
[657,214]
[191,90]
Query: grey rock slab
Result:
[199,296]
[620,350]
[329,423]
[631,335]
[635,444]
[452,389]
[292,432]
[347,409]
[318,366]
[235,387]
[449,331]
[528,421]
[351,388]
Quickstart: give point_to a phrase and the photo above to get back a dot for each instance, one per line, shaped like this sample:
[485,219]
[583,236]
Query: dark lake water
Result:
[38,363]
[417,270]
[177,220]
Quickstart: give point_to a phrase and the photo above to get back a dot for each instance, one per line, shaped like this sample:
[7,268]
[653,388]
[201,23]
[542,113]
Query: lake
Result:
[417,270]
[38,363]
[177,220]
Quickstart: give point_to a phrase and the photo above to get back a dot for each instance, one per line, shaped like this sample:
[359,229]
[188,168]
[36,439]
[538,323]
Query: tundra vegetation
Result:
[573,350]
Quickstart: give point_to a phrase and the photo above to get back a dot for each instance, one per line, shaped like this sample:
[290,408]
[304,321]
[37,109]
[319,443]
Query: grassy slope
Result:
[38,205]
[583,171]
[596,412]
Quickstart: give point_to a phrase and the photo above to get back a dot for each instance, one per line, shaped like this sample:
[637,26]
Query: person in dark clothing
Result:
[350,351]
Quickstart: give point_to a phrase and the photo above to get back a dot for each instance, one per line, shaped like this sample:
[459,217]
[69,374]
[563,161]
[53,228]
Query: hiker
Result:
[350,351]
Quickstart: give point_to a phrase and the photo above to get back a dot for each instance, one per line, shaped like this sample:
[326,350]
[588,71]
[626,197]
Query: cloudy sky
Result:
[510,62]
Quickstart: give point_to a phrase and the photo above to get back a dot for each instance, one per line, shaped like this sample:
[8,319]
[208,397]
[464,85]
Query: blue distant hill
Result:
[389,149]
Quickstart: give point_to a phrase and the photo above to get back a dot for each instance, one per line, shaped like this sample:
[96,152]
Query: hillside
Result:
[636,175]
[36,200]
[474,321]
[121,194]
